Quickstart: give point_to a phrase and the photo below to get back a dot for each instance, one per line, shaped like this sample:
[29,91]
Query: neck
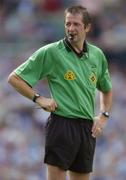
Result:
[77,46]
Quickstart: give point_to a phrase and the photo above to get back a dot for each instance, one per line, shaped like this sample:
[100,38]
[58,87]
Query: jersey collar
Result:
[69,48]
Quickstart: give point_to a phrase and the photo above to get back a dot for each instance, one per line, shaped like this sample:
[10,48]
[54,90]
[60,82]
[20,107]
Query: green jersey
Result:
[73,78]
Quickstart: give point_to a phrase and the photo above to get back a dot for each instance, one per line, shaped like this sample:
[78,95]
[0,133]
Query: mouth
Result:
[71,36]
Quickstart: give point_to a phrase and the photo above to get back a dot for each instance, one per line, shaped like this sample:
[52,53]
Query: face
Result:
[74,27]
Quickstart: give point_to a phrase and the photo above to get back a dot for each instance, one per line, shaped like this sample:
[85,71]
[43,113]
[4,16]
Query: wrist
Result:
[105,114]
[36,97]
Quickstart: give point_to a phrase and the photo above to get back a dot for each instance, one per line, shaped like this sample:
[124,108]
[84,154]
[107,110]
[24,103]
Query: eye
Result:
[76,24]
[67,24]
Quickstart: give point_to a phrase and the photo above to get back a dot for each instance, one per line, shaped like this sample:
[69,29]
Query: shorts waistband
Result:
[79,120]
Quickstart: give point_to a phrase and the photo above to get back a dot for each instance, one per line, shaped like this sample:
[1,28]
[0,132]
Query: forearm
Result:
[101,120]
[21,86]
[105,101]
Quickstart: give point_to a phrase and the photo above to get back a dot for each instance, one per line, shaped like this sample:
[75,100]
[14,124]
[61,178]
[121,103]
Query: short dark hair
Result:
[81,10]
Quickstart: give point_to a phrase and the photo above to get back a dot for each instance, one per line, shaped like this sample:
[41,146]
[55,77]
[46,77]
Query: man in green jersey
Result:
[74,69]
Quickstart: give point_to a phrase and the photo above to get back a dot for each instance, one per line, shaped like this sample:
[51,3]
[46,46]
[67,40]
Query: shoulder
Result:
[95,49]
[97,53]
[51,46]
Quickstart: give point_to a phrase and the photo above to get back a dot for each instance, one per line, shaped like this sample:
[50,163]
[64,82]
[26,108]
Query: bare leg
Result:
[78,176]
[55,173]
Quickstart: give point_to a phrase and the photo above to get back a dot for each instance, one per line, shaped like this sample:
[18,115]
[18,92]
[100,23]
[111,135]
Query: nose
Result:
[71,27]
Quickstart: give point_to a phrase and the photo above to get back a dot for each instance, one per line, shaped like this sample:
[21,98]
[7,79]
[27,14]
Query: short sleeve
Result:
[35,68]
[104,81]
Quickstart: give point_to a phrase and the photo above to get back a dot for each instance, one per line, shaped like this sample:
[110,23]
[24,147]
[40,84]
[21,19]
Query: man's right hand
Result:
[47,104]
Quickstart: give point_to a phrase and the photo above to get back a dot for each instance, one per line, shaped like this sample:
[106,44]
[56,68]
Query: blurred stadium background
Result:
[25,25]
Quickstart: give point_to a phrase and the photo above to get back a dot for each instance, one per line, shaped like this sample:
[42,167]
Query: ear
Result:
[88,28]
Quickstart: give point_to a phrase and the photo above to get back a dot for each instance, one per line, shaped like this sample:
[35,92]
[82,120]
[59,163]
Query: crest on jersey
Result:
[69,75]
[92,78]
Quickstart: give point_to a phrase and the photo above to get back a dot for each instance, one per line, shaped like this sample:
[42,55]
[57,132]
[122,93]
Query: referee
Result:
[75,69]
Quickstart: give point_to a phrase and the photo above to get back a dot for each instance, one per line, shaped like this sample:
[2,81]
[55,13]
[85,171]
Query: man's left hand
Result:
[99,124]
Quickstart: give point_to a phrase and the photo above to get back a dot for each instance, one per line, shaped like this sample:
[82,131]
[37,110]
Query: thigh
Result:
[83,162]
[55,173]
[78,176]
[62,142]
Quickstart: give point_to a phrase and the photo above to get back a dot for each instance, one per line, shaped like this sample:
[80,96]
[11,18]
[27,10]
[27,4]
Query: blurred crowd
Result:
[25,25]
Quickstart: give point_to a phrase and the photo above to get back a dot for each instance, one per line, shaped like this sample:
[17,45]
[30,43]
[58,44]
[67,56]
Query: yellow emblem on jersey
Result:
[69,75]
[93,78]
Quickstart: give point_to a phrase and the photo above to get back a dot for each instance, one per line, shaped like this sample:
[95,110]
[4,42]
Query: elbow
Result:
[10,78]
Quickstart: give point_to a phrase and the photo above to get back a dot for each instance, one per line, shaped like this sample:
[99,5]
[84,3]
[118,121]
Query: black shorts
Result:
[69,143]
